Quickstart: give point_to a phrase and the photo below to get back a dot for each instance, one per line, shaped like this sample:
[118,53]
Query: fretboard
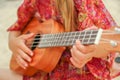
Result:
[69,38]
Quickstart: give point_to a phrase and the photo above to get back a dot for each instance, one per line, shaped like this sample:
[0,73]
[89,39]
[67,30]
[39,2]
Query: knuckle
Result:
[23,35]
[73,49]
[27,58]
[27,50]
[24,56]
[20,61]
[20,37]
[83,51]
[19,45]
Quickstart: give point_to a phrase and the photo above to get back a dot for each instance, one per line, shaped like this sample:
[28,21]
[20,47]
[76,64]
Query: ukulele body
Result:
[44,59]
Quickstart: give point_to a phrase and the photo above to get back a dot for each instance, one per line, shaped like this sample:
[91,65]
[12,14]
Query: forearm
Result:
[12,36]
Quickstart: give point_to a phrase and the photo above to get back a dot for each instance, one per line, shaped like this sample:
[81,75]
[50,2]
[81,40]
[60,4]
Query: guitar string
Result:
[37,35]
[102,41]
[108,40]
[105,33]
[41,36]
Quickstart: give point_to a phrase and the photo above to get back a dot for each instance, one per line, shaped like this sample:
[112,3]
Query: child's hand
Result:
[20,51]
[81,54]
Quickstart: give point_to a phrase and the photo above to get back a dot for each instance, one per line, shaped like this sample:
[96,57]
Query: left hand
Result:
[81,54]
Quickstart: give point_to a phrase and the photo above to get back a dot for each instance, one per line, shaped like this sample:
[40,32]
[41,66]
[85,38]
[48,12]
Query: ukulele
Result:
[50,40]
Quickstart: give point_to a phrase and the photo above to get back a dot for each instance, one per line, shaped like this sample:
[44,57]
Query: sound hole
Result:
[35,41]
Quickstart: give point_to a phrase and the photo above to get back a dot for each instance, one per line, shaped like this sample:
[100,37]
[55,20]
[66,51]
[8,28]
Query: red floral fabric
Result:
[89,13]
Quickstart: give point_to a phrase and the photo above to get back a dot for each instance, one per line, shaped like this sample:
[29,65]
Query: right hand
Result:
[20,51]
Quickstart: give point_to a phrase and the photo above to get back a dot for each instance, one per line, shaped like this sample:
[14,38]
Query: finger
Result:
[27,36]
[21,62]
[76,64]
[84,49]
[24,56]
[76,54]
[80,47]
[80,57]
[26,49]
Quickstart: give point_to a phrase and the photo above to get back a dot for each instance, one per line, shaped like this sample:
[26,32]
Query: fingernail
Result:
[29,59]
[26,65]
[31,53]
[77,40]
[31,33]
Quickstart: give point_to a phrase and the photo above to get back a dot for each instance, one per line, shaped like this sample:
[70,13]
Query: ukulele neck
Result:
[68,38]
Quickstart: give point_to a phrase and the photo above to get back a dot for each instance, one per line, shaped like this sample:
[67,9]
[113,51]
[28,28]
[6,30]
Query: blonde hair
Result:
[66,8]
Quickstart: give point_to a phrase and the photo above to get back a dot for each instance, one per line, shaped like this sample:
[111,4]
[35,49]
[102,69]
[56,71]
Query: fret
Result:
[85,40]
[65,39]
[52,40]
[99,33]
[69,38]
[73,37]
[62,39]
[84,34]
[56,39]
[59,41]
[89,38]
[43,40]
[77,35]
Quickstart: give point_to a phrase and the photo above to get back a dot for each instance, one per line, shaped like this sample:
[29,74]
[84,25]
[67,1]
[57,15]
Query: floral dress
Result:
[89,13]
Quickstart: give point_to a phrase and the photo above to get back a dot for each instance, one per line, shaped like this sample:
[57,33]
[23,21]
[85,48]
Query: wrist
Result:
[12,38]
[14,34]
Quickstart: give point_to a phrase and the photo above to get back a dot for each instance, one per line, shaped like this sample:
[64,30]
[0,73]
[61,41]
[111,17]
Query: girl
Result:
[77,63]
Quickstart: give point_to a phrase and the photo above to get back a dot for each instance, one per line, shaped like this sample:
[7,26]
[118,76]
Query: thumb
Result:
[27,36]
